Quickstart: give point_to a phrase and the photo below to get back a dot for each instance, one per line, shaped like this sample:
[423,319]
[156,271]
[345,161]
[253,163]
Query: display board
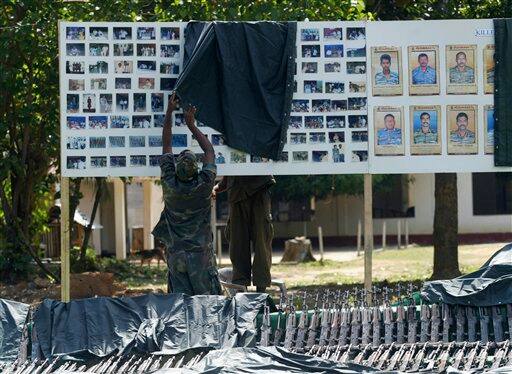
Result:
[431,96]
[425,105]
[115,80]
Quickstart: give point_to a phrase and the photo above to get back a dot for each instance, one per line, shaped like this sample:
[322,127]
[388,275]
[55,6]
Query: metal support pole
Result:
[359,229]
[384,235]
[64,239]
[213,222]
[321,242]
[398,234]
[368,232]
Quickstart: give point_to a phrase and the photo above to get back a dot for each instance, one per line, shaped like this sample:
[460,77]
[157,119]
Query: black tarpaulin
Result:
[503,92]
[13,316]
[239,75]
[268,360]
[489,285]
[168,324]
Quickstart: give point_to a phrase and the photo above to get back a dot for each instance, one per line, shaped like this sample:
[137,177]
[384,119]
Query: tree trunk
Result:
[88,229]
[446,261]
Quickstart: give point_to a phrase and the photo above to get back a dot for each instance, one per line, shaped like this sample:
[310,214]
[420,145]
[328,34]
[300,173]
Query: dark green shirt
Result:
[185,221]
[241,188]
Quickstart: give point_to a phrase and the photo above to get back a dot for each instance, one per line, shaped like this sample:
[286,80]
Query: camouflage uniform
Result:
[185,229]
[250,220]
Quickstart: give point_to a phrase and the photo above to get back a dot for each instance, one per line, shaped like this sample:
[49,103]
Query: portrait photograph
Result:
[461,69]
[425,134]
[139,102]
[386,71]
[389,131]
[122,102]
[89,103]
[423,70]
[488,69]
[72,103]
[462,129]
[489,128]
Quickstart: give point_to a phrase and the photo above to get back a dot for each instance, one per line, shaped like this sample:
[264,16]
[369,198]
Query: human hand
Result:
[173,103]
[190,114]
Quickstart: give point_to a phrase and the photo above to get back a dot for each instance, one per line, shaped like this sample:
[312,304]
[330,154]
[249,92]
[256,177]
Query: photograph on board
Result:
[238,157]
[333,33]
[309,67]
[300,156]
[489,128]
[311,51]
[99,67]
[335,122]
[116,141]
[123,67]
[295,122]
[75,67]
[337,153]
[138,160]
[76,85]
[122,102]
[154,160]
[357,121]
[72,103]
[461,68]
[170,33]
[357,87]
[356,33]
[117,161]
[462,129]
[146,33]
[98,33]
[89,103]
[98,49]
[76,162]
[98,161]
[122,33]
[489,69]
[97,142]
[300,106]
[386,70]
[123,49]
[75,33]
[98,122]
[332,67]
[76,142]
[75,49]
[425,122]
[298,138]
[320,156]
[119,122]
[359,156]
[389,131]
[98,84]
[423,70]
[356,52]
[105,103]
[309,35]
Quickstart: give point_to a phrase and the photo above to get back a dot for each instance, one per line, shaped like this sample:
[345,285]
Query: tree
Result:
[29,105]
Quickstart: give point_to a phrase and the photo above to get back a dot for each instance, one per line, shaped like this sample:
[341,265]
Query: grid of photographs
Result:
[431,96]
[116,79]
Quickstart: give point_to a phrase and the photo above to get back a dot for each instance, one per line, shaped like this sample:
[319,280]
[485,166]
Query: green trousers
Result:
[250,221]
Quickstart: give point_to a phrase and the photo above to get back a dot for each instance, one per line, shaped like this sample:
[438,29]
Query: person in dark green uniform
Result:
[185,226]
[250,221]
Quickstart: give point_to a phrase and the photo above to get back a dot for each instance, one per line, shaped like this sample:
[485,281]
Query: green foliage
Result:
[90,262]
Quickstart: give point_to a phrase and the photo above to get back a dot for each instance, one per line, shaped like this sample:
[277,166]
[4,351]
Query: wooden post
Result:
[406,233]
[368,232]
[321,243]
[384,235]
[64,239]
[359,238]
[213,223]
[219,247]
[398,234]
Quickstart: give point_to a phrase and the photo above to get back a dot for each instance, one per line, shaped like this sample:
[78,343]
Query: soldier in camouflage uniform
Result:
[425,135]
[184,225]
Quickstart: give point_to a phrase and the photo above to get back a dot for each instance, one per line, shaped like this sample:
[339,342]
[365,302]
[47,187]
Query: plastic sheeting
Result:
[503,92]
[151,323]
[489,285]
[239,75]
[268,360]
[13,316]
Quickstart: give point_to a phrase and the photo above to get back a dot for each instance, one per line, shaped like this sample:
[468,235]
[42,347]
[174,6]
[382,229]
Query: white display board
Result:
[115,79]
[450,90]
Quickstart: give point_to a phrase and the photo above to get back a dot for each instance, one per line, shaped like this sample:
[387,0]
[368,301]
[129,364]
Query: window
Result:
[492,193]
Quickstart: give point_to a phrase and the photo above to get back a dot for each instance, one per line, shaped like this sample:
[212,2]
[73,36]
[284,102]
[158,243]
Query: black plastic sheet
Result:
[167,324]
[240,77]
[503,92]
[489,285]
[268,360]
[13,316]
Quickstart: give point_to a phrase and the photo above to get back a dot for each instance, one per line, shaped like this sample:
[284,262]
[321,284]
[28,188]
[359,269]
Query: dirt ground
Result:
[340,269]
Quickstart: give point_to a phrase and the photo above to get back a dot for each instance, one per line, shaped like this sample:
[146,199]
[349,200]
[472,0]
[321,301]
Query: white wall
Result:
[88,190]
